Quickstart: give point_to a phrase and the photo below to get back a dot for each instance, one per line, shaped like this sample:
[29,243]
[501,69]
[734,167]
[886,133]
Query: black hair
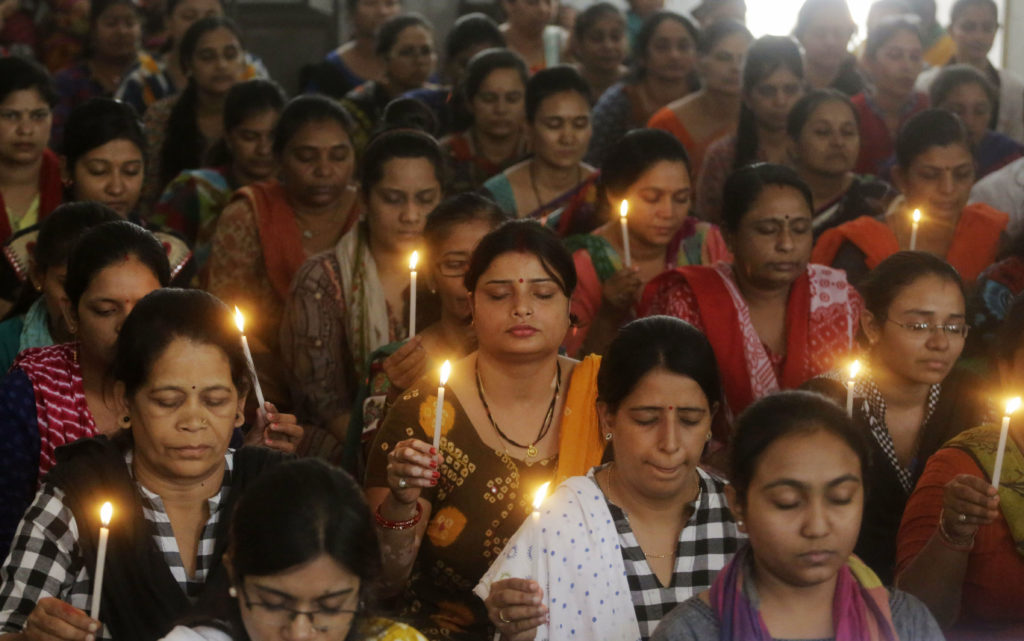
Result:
[408,113]
[953,76]
[885,30]
[20,74]
[164,315]
[244,100]
[97,122]
[550,82]
[388,32]
[109,243]
[351,5]
[172,5]
[784,414]
[589,17]
[183,144]
[524,236]
[804,108]
[962,5]
[657,341]
[457,210]
[398,143]
[744,186]
[302,110]
[810,8]
[487,61]
[642,42]
[885,282]
[927,129]
[767,55]
[98,7]
[718,31]
[635,153]
[472,30]
[1010,336]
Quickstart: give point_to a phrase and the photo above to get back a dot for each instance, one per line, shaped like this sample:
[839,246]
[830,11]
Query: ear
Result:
[736,507]
[69,314]
[870,326]
[730,240]
[229,567]
[65,171]
[899,179]
[792,149]
[35,275]
[714,411]
[605,417]
[240,410]
[121,399]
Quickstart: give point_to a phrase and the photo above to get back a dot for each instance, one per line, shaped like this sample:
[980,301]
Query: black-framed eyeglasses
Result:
[921,329]
[273,614]
[453,267]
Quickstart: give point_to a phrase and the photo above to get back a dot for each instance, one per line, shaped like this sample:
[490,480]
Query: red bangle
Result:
[398,525]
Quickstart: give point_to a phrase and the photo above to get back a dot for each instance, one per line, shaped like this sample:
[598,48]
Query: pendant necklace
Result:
[531,448]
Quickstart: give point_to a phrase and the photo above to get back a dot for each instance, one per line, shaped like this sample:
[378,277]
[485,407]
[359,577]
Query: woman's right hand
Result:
[621,289]
[55,620]
[412,466]
[968,503]
[515,607]
[407,364]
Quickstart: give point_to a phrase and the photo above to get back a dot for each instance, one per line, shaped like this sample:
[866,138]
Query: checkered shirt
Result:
[45,561]
[706,544]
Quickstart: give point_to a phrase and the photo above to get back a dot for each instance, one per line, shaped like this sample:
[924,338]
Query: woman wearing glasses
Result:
[907,398]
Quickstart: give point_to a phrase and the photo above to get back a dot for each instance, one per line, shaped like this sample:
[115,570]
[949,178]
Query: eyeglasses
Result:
[453,268]
[920,329]
[273,614]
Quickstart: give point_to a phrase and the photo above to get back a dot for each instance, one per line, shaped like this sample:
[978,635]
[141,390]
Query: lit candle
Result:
[623,215]
[106,512]
[412,293]
[1012,406]
[446,370]
[854,370]
[240,322]
[538,499]
[916,217]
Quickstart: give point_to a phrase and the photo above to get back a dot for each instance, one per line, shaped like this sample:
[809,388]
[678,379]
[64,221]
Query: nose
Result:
[815,519]
[784,241]
[947,184]
[938,340]
[264,146]
[522,306]
[567,136]
[300,628]
[322,168]
[115,186]
[668,440]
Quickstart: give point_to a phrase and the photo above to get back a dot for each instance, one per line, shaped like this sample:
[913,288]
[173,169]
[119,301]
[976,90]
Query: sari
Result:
[822,318]
[667,120]
[574,212]
[51,191]
[467,168]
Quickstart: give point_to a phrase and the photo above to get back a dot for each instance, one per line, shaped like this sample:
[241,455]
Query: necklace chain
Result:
[693,504]
[531,449]
[536,191]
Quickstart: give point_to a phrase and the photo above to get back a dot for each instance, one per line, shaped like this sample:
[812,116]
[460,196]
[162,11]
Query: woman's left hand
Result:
[516,608]
[275,430]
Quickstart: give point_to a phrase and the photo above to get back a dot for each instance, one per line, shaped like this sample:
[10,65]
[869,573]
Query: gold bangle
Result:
[960,545]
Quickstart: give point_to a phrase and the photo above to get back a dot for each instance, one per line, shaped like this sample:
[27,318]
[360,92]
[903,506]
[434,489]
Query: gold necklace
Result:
[690,504]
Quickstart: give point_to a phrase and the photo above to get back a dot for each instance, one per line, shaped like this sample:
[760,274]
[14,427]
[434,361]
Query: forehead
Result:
[116,151]
[944,156]
[813,456]
[217,38]
[670,29]
[777,201]
[23,99]
[319,133]
[183,360]
[666,174]
[201,6]
[660,386]
[514,265]
[931,293]
[502,78]
[903,39]
[414,34]
[564,103]
[833,110]
[408,174]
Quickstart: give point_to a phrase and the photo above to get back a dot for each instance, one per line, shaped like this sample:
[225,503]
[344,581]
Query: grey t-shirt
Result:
[695,620]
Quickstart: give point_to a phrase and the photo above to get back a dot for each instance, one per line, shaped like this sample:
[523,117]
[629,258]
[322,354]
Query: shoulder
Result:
[614,98]
[49,356]
[911,618]
[691,619]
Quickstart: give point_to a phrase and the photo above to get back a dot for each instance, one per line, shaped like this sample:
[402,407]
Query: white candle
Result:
[623,215]
[240,322]
[412,293]
[854,370]
[538,499]
[106,512]
[446,370]
[916,217]
[1012,406]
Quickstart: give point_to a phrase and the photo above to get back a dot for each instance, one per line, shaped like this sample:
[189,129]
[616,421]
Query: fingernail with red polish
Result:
[433,482]
[433,450]
[436,474]
[433,463]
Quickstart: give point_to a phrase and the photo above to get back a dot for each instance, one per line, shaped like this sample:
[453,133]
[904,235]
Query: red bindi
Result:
[671,407]
[520,280]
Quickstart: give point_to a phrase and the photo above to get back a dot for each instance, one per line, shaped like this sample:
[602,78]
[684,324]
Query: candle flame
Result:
[106,512]
[415,258]
[916,215]
[624,208]
[446,370]
[239,319]
[1012,405]
[540,495]
[854,369]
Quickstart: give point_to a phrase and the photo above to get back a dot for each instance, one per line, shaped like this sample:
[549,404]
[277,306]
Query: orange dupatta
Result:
[580,446]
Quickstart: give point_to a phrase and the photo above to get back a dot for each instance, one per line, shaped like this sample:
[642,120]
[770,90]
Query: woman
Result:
[892,56]
[270,228]
[774,319]
[973,26]
[29,172]
[301,535]
[347,302]
[553,186]
[516,414]
[824,142]
[909,401]
[663,71]
[494,91]
[649,169]
[797,488]
[195,199]
[824,28]
[934,171]
[653,526]
[773,80]
[957,545]
[178,386]
[451,233]
[966,92]
[529,32]
[406,45]
[114,34]
[711,112]
[37,318]
[599,44]
[181,129]
[357,60]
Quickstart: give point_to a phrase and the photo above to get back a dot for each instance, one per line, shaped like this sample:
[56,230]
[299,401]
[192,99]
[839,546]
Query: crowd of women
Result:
[650,249]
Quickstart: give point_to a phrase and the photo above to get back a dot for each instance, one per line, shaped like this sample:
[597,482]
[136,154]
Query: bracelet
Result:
[398,525]
[960,545]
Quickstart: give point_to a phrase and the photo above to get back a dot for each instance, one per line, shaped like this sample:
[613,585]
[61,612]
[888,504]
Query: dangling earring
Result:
[608,436]
[739,522]
[232,592]
[126,421]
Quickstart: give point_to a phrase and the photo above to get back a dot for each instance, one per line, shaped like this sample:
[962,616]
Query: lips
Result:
[817,557]
[522,331]
[191,451]
[935,365]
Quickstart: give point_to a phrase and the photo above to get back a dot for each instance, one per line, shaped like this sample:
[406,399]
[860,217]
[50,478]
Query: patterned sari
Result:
[574,212]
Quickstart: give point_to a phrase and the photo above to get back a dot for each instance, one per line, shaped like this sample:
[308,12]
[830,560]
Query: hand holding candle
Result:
[916,218]
[446,371]
[106,512]
[623,216]
[240,322]
[854,370]
[1011,406]
[412,292]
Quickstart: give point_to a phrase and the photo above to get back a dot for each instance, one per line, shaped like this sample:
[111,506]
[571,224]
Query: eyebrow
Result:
[929,312]
[179,388]
[511,281]
[793,483]
[294,598]
[647,408]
